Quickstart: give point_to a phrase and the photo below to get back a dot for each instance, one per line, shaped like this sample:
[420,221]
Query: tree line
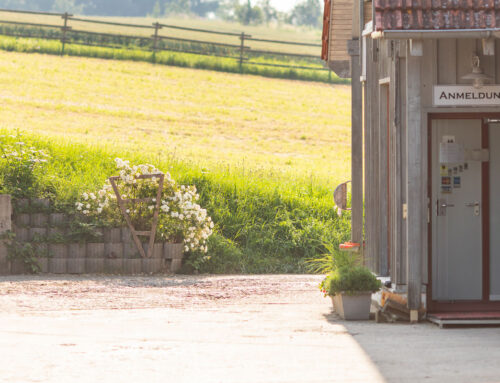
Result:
[306,12]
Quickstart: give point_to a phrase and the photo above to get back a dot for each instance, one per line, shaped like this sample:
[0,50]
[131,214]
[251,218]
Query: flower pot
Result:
[353,307]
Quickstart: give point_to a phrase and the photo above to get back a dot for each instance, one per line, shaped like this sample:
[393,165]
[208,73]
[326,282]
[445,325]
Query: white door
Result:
[456,209]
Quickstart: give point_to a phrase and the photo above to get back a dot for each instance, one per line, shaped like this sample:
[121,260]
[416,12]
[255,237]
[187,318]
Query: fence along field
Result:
[233,52]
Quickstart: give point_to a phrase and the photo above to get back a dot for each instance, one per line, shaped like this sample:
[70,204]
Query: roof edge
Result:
[437,34]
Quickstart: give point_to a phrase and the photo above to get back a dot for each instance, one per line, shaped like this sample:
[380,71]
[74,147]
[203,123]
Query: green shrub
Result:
[350,280]
[20,167]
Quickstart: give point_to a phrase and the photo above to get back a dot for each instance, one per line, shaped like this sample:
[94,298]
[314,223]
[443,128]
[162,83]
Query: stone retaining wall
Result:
[48,234]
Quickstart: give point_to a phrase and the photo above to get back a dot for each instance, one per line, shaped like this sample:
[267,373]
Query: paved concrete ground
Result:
[218,329]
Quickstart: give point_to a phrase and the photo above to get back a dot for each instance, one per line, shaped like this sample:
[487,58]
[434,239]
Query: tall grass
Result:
[264,224]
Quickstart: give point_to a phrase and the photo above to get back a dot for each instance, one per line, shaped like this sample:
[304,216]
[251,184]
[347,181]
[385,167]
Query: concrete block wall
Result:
[5,226]
[113,253]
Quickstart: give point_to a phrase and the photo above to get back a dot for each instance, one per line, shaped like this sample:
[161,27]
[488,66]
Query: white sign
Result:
[451,153]
[464,95]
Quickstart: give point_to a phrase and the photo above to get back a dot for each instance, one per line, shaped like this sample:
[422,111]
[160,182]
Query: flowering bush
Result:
[181,219]
[19,166]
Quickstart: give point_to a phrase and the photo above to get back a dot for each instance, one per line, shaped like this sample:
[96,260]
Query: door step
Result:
[476,318]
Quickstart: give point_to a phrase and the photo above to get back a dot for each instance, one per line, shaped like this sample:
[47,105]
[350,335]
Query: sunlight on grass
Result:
[209,118]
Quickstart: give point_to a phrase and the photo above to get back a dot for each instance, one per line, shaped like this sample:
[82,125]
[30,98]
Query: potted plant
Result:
[351,286]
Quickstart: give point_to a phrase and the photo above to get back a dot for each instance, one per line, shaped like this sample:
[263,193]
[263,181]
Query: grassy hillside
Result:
[295,129]
[265,154]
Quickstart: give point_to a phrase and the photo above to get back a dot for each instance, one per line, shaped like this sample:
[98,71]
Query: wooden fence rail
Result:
[156,42]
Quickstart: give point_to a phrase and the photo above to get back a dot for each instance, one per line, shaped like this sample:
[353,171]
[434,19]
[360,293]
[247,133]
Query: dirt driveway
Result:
[218,329]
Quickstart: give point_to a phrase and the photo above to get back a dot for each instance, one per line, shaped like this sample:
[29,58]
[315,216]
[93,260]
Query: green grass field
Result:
[265,153]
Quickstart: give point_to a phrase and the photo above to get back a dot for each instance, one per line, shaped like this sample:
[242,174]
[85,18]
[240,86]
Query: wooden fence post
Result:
[155,40]
[242,50]
[65,28]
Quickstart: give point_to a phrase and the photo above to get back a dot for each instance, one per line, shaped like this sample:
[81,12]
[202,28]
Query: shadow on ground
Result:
[424,353]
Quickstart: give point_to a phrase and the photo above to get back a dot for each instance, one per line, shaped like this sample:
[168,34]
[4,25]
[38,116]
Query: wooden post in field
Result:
[242,50]
[65,28]
[353,47]
[157,27]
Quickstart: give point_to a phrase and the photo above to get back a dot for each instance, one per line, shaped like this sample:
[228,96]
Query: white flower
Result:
[88,206]
[85,196]
[99,210]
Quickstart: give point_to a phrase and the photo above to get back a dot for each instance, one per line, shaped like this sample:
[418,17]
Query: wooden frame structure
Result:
[123,203]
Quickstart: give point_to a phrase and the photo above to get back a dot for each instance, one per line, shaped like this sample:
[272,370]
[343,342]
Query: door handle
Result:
[441,206]
[475,205]
[447,205]
[472,204]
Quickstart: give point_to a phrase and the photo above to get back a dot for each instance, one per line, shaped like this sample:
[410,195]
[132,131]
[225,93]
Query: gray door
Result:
[494,138]
[456,209]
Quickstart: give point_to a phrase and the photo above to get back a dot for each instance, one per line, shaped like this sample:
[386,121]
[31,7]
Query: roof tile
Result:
[436,14]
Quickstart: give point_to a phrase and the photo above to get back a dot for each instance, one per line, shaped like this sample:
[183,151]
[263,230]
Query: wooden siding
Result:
[340,32]
[444,62]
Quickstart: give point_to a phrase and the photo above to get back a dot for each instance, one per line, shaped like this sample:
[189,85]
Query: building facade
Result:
[428,75]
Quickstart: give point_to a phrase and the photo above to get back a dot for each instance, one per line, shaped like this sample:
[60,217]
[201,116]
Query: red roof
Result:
[436,14]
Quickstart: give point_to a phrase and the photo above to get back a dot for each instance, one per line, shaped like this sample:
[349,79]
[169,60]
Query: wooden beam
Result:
[367,174]
[415,181]
[396,204]
[382,161]
[356,27]
[373,77]
[357,145]
[369,253]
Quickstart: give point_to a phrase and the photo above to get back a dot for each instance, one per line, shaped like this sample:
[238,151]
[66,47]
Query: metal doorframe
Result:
[476,305]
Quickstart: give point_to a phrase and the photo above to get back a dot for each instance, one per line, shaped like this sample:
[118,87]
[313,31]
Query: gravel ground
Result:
[55,293]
